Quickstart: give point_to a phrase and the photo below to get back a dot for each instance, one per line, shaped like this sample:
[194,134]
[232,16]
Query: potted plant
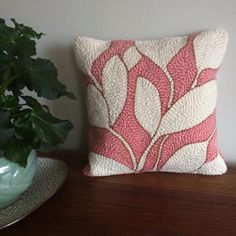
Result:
[26,126]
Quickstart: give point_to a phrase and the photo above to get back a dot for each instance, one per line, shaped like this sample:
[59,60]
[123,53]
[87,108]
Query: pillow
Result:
[151,104]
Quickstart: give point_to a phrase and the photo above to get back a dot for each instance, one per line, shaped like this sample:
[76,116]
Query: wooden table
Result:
[147,204]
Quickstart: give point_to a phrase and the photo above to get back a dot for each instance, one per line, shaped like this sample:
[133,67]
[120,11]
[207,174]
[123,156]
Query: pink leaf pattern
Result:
[199,133]
[211,150]
[179,88]
[206,75]
[105,143]
[127,124]
[183,69]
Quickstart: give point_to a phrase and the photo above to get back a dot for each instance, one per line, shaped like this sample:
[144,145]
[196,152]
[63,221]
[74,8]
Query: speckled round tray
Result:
[49,177]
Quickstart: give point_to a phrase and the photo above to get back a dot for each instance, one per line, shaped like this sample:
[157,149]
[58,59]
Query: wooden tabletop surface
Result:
[146,204]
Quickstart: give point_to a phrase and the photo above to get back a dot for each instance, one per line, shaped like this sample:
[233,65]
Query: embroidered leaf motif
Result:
[190,110]
[209,47]
[116,48]
[115,86]
[131,57]
[153,105]
[103,166]
[187,159]
[97,108]
[212,150]
[182,69]
[147,105]
[96,48]
[152,156]
[206,75]
[215,167]
[199,133]
[104,142]
[156,76]
[161,51]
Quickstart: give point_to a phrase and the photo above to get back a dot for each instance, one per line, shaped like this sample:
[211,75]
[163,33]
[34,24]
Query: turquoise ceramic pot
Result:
[14,179]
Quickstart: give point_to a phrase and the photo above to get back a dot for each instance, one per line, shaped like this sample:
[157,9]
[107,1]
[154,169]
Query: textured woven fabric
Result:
[151,104]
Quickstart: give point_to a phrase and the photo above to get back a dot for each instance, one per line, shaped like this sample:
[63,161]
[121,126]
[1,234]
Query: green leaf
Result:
[26,31]
[24,129]
[22,67]
[6,128]
[5,118]
[33,103]
[43,80]
[24,46]
[16,151]
[50,130]
[19,40]
[6,35]
[3,60]
[18,69]
[9,102]
[28,125]
[71,95]
[40,129]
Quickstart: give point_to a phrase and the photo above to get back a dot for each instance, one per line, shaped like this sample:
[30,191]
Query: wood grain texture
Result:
[146,204]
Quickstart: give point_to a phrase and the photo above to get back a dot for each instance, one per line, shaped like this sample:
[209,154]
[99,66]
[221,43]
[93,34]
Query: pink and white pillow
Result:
[151,104]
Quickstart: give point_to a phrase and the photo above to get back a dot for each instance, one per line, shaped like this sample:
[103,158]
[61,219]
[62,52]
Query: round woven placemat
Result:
[49,177]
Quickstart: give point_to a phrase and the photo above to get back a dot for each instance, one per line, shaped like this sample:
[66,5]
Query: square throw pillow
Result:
[151,104]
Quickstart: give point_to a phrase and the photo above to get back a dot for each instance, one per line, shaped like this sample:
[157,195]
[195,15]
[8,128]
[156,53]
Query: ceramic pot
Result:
[14,179]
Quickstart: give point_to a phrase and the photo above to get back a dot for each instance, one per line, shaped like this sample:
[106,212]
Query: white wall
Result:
[62,21]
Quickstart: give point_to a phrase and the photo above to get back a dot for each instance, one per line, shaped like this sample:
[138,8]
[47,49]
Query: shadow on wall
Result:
[65,108]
